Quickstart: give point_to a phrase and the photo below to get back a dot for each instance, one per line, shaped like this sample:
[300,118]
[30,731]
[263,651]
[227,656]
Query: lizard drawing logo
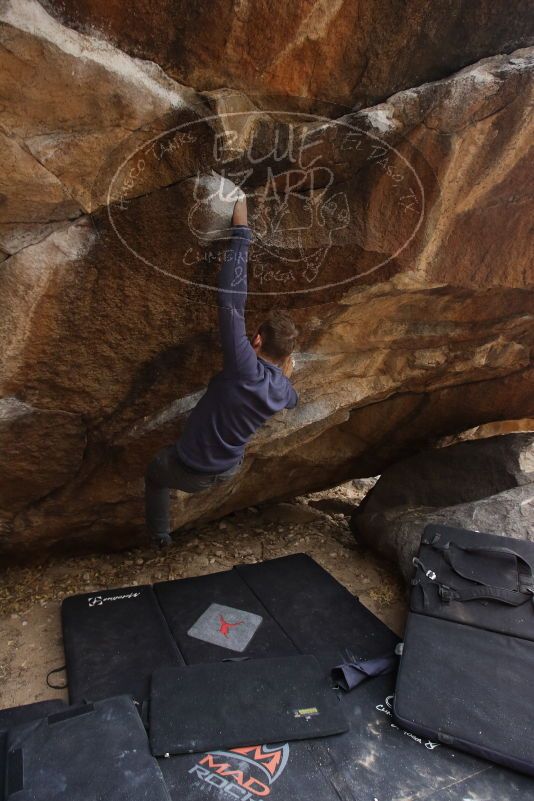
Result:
[225,626]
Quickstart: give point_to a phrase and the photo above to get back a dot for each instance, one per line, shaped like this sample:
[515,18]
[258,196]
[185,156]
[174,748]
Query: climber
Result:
[252,386]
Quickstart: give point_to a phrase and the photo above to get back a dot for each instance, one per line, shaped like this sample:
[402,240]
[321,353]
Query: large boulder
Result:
[324,53]
[459,473]
[482,485]
[400,244]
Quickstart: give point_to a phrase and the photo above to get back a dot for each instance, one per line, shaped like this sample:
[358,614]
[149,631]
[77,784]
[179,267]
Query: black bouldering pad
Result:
[377,759]
[318,614]
[283,772]
[470,688]
[203,707]
[114,640]
[374,760]
[15,716]
[188,604]
[85,753]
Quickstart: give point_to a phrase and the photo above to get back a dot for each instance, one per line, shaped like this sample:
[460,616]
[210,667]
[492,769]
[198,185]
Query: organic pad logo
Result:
[100,600]
[329,202]
[225,626]
[386,709]
[243,773]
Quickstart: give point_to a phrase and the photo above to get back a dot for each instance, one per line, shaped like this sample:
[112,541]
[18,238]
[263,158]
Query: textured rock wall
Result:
[412,284]
[336,51]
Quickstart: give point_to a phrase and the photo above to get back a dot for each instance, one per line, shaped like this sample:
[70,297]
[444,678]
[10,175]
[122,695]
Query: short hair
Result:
[278,335]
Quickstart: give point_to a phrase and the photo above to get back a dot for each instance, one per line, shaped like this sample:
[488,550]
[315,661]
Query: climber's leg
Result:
[158,479]
[166,472]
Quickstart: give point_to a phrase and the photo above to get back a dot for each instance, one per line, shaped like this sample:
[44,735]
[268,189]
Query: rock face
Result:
[397,235]
[458,474]
[352,53]
[482,485]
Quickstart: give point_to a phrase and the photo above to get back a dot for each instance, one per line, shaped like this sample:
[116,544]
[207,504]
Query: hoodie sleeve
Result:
[239,355]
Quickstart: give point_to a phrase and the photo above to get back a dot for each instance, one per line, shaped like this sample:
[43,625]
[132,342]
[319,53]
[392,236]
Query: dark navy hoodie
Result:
[247,391]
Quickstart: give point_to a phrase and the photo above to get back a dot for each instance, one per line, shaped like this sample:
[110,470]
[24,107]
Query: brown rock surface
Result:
[459,473]
[397,533]
[482,485]
[354,53]
[41,450]
[405,259]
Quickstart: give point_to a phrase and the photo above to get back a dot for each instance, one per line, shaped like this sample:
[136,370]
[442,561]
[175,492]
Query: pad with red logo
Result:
[225,626]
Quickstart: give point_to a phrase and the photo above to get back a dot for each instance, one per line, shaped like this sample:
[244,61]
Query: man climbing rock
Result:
[252,386]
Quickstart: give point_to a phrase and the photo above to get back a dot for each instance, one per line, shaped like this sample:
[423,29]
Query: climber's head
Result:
[276,337]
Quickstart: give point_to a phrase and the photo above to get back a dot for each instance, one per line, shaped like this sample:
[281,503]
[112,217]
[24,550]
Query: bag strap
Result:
[476,593]
[483,592]
[525,570]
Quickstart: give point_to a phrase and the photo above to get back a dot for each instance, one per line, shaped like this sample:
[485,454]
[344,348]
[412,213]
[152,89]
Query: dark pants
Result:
[165,472]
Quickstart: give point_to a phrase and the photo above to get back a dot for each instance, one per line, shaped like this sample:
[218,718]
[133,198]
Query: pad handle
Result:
[525,578]
[482,593]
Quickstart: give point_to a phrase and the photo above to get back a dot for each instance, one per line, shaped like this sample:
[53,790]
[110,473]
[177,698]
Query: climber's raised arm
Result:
[239,355]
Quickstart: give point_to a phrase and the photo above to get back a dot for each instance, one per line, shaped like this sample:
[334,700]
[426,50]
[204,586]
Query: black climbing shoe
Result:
[162,541]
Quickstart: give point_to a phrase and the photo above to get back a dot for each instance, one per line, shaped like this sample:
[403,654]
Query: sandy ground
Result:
[30,596]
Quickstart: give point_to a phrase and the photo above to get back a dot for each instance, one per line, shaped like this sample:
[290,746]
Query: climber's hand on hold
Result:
[210,217]
[239,216]
[288,365]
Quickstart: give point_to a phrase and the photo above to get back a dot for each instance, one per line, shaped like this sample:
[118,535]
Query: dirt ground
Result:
[30,596]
